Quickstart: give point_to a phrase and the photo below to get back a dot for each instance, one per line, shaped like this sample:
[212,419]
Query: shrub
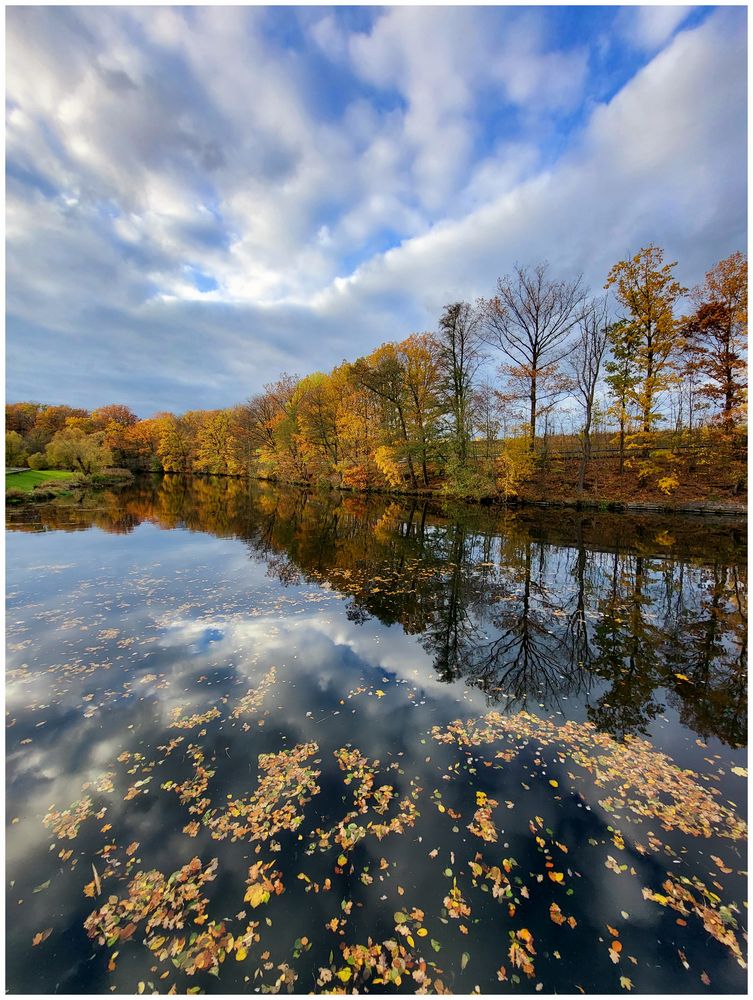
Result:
[515,465]
[38,461]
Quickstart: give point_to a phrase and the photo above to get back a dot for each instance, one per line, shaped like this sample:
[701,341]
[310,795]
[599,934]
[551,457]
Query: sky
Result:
[200,198]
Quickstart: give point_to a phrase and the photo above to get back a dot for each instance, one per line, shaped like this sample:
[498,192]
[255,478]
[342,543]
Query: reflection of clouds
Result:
[305,642]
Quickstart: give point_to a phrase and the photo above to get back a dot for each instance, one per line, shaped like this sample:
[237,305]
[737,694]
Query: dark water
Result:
[504,752]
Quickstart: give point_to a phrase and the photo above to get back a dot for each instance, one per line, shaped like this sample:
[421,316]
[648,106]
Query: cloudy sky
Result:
[201,198]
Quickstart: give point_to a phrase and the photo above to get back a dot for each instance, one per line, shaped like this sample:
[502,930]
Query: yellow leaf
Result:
[256,895]
[556,876]
[240,954]
[553,783]
[344,975]
[379,694]
[422,932]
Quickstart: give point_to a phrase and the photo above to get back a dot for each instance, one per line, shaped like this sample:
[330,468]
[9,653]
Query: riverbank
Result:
[708,504]
[52,486]
[31,486]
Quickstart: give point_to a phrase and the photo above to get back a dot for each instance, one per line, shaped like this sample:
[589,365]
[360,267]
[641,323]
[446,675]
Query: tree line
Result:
[471,407]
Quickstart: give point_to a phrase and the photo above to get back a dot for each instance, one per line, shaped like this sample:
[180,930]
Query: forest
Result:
[540,391]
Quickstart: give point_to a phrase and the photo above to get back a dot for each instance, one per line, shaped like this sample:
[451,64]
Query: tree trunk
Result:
[532,418]
[586,451]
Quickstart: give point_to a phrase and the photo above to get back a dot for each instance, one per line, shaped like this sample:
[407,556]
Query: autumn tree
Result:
[15,450]
[715,335]
[177,441]
[72,448]
[530,321]
[114,413]
[585,362]
[217,445]
[646,288]
[293,457]
[21,417]
[421,360]
[52,419]
[382,374]
[317,420]
[261,413]
[359,419]
[622,377]
[140,445]
[460,354]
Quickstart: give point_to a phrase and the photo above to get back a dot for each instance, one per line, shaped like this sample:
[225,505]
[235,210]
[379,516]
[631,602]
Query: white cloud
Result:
[148,146]
[664,160]
[650,27]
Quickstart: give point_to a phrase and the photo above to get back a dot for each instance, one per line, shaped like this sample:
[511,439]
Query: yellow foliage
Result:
[515,465]
[387,465]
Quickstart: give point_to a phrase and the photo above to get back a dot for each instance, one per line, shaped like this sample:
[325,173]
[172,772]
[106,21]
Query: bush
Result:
[470,482]
[38,461]
[515,465]
[109,477]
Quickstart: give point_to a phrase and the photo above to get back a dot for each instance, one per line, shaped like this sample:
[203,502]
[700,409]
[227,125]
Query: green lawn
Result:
[29,478]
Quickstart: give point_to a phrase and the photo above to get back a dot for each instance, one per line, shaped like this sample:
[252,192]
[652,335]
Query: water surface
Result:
[264,741]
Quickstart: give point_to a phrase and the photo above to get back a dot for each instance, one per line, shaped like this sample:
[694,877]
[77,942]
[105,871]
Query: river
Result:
[260,740]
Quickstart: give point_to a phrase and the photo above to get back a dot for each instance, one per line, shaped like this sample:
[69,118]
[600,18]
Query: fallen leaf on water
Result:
[41,936]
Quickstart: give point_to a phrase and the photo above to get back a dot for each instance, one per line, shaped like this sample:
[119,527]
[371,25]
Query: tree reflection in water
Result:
[630,614]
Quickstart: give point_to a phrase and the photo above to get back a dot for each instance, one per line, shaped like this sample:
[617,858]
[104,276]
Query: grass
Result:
[29,478]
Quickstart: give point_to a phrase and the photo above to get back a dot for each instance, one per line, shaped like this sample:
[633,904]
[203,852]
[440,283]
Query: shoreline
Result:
[614,506]
[603,506]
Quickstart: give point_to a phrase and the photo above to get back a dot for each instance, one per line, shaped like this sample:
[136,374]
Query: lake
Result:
[266,741]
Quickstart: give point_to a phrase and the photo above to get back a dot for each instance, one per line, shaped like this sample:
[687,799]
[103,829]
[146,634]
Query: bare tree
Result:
[585,363]
[488,415]
[529,320]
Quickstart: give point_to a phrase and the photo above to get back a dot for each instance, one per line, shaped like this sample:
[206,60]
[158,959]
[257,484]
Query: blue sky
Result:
[200,198]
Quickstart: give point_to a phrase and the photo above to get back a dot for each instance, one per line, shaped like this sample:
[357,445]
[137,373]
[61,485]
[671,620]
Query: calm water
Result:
[430,749]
